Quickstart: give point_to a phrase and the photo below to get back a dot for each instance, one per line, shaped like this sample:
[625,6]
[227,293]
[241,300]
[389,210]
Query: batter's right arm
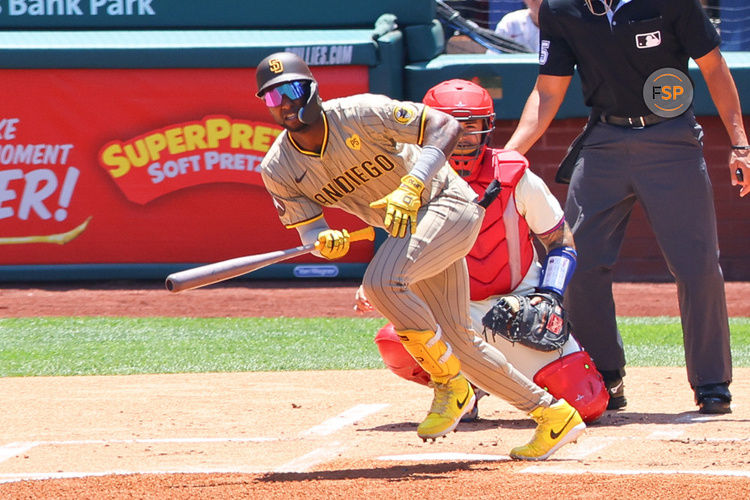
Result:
[441,131]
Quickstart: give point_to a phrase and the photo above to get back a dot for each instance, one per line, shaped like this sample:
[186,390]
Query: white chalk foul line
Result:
[332,449]
[541,469]
[665,434]
[13,449]
[585,447]
[698,417]
[425,457]
[301,464]
[309,460]
[41,476]
[593,444]
[348,417]
[162,440]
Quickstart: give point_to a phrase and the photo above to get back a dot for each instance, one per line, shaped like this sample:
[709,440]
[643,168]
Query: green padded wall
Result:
[510,78]
[214,14]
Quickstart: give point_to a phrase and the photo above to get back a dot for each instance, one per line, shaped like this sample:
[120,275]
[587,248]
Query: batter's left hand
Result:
[402,206]
[739,170]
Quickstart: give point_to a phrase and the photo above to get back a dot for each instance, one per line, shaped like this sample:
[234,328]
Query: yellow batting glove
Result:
[333,244]
[401,206]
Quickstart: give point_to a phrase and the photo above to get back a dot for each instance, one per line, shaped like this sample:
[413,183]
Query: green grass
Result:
[106,346]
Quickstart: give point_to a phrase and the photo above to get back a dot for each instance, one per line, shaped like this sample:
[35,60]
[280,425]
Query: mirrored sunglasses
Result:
[293,90]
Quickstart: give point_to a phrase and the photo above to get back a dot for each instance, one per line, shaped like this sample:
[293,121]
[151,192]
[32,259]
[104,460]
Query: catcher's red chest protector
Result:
[503,251]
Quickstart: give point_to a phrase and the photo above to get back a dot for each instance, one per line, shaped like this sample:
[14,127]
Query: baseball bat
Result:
[227,269]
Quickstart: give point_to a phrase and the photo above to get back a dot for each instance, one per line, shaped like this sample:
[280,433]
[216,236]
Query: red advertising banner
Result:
[214,149]
[143,166]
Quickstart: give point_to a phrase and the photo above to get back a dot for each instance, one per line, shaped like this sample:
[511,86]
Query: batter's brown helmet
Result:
[282,67]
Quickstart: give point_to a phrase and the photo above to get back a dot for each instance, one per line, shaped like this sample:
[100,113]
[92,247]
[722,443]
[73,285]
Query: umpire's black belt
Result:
[632,121]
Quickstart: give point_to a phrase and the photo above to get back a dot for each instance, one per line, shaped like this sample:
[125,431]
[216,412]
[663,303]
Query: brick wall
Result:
[640,259]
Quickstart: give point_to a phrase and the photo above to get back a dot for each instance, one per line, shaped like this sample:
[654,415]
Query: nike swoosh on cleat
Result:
[461,404]
[299,179]
[555,435]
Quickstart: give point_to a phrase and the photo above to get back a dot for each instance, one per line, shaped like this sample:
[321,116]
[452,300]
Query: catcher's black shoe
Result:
[616,391]
[713,398]
[473,415]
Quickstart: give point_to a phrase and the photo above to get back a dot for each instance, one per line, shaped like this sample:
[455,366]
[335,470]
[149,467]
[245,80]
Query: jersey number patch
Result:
[543,52]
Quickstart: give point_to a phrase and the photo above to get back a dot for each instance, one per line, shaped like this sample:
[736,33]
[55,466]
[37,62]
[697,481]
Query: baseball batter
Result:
[385,162]
[503,259]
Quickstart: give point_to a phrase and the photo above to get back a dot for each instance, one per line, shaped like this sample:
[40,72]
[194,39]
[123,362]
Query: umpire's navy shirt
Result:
[615,60]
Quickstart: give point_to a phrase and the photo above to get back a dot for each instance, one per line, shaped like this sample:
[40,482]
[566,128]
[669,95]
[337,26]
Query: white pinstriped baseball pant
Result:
[421,281]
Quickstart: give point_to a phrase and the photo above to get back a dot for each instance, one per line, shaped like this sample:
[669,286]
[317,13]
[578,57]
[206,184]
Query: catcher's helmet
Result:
[574,377]
[465,101]
[282,67]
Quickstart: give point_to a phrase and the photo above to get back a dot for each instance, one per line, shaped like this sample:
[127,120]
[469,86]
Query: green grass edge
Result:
[62,346]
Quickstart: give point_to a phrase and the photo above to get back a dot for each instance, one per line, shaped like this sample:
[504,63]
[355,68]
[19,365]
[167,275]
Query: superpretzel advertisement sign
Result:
[123,166]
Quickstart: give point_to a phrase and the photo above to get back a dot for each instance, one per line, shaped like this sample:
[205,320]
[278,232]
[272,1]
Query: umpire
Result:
[635,148]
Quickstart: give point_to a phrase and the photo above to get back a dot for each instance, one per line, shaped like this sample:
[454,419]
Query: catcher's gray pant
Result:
[421,281]
[662,166]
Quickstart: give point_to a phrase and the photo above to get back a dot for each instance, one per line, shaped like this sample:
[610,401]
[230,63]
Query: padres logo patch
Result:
[354,142]
[276,66]
[403,115]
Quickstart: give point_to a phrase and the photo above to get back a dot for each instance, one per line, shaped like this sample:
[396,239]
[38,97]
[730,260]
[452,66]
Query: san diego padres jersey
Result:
[370,143]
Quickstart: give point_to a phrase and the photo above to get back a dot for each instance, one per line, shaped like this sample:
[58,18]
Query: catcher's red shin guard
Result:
[397,358]
[575,378]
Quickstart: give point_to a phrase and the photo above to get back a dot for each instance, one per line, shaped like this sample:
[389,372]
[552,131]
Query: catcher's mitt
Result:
[543,326]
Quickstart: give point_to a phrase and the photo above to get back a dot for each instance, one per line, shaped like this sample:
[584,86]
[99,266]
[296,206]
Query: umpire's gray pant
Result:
[661,166]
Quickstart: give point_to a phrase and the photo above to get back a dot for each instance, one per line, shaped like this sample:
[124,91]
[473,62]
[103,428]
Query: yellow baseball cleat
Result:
[452,401]
[558,425]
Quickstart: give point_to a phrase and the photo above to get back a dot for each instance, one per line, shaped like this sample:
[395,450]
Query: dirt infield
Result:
[338,434]
[272,299]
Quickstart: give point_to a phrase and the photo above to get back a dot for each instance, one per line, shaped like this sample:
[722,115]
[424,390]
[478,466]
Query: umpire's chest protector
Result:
[503,251]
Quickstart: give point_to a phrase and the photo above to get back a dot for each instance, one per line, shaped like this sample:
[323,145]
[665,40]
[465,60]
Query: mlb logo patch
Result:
[648,40]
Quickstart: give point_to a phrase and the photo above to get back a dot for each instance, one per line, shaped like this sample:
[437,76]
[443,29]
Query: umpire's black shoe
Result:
[616,390]
[713,398]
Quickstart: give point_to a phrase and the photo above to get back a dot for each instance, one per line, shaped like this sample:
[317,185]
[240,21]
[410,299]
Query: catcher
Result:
[385,162]
[515,300]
